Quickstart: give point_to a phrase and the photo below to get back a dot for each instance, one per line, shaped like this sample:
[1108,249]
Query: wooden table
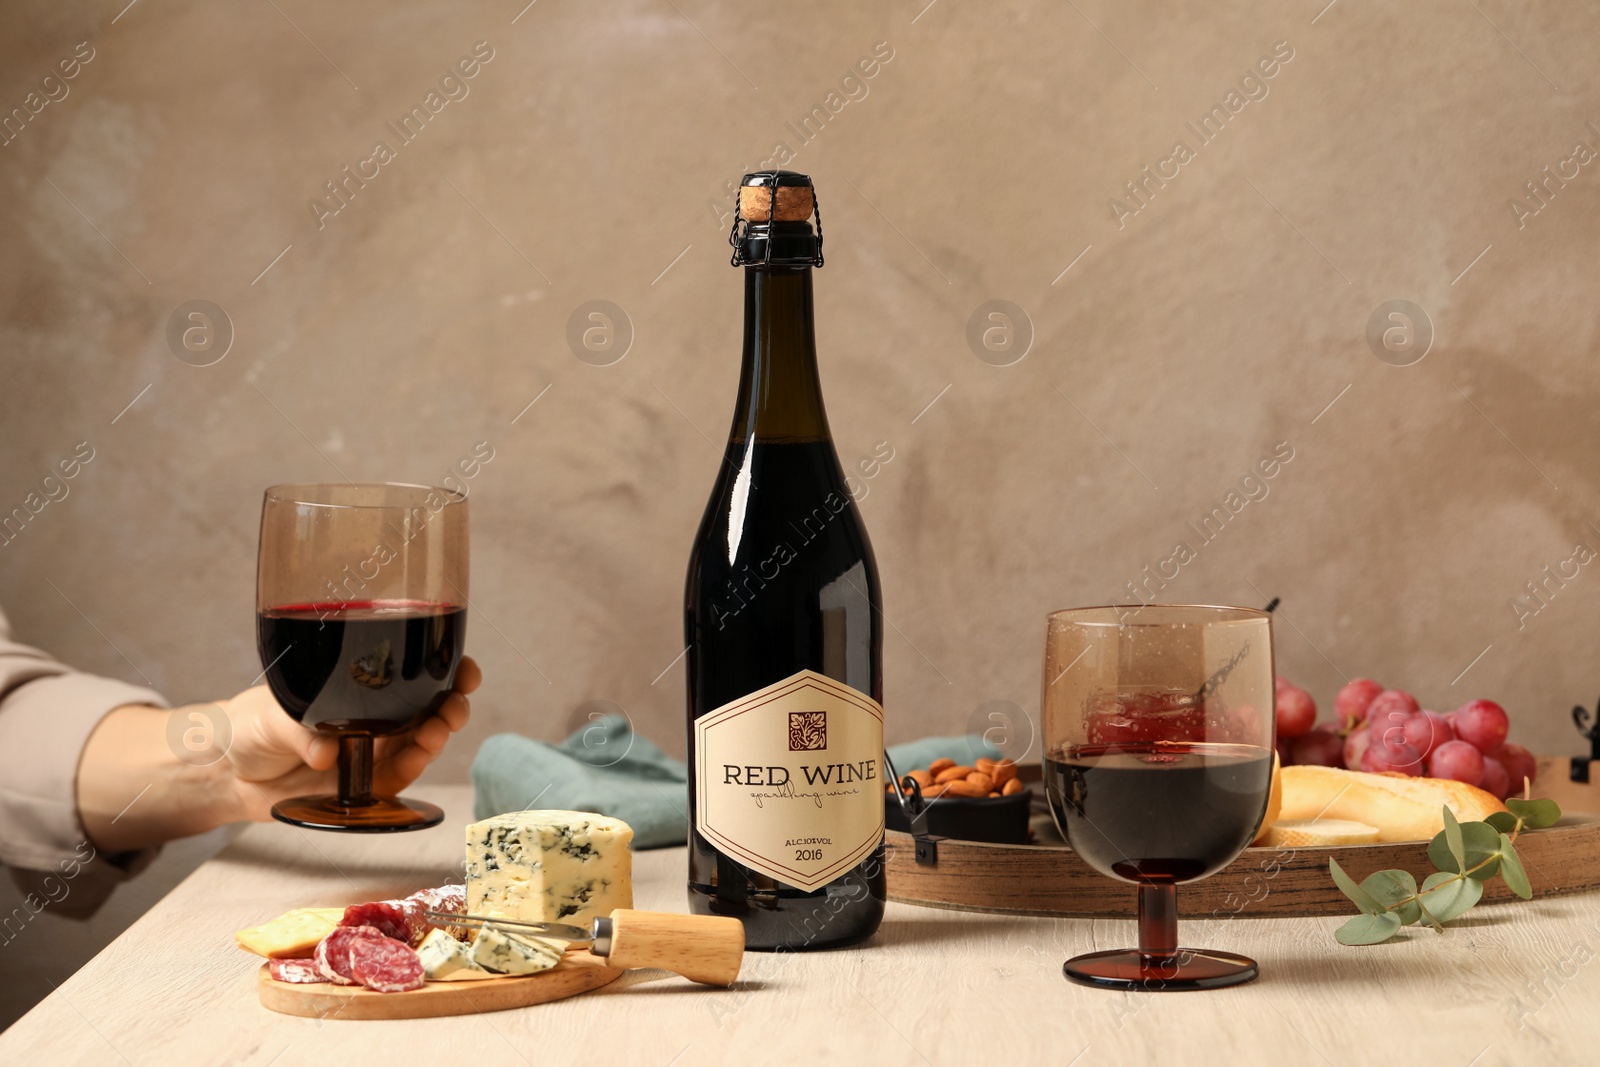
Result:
[1509,984]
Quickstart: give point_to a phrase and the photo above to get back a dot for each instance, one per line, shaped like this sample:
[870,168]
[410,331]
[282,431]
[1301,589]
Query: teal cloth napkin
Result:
[607,768]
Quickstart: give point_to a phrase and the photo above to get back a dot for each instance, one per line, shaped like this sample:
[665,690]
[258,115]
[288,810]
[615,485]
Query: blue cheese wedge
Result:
[444,959]
[495,950]
[549,866]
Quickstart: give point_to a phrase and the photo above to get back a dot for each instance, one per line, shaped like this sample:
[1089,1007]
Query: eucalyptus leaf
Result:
[1363,900]
[1446,896]
[1453,840]
[1536,813]
[1368,929]
[1439,854]
[1480,842]
[1483,844]
[1503,821]
[1422,907]
[1395,890]
[1511,869]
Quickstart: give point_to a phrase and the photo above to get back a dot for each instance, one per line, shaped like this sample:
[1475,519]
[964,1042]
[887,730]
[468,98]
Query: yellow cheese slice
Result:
[291,935]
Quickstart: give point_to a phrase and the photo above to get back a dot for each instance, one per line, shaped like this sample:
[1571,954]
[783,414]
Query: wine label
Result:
[789,779]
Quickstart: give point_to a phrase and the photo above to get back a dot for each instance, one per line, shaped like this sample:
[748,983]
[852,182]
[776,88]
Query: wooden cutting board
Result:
[578,972]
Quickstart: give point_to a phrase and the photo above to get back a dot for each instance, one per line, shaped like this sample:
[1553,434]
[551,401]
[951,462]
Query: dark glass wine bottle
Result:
[783,619]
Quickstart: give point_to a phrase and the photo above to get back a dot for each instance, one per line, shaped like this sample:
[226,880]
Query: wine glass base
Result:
[384,815]
[1189,968]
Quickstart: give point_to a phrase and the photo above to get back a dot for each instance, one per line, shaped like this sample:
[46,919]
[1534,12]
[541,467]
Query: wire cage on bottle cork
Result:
[772,221]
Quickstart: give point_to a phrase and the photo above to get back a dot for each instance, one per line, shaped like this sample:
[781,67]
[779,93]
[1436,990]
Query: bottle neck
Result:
[780,393]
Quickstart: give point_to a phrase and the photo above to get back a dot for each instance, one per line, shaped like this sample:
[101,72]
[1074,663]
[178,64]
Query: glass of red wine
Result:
[1158,731]
[361,592]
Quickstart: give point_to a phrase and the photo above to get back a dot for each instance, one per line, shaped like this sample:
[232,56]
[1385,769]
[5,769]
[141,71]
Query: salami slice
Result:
[297,971]
[406,920]
[448,898]
[333,952]
[385,965]
[451,898]
[402,920]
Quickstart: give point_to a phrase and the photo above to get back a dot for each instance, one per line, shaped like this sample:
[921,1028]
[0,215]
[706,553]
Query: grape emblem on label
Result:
[808,730]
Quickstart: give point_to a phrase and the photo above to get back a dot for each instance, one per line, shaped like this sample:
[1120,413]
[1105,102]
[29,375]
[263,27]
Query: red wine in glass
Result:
[368,666]
[360,622]
[1159,812]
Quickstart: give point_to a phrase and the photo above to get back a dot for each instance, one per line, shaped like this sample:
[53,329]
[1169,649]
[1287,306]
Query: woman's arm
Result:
[47,713]
[149,775]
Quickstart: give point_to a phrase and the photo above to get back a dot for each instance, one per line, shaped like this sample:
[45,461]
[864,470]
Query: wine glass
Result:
[1158,730]
[361,592]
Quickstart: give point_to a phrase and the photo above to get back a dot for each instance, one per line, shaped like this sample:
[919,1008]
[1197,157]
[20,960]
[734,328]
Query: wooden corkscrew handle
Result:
[707,949]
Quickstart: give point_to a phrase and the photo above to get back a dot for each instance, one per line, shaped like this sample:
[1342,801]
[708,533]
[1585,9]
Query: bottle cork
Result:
[795,203]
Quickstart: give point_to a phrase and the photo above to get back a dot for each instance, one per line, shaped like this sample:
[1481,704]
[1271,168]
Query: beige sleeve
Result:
[47,712]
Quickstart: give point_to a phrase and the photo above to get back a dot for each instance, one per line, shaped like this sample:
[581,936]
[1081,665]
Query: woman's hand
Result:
[135,789]
[272,757]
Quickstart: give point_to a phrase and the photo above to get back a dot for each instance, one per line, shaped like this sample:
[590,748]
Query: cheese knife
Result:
[708,949]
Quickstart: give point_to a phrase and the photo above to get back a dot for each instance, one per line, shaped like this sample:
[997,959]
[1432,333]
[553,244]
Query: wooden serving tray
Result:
[578,972]
[1045,880]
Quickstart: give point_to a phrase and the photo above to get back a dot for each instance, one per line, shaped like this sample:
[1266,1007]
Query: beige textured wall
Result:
[588,161]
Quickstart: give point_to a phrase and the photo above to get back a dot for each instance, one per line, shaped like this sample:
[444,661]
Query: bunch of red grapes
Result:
[1380,730]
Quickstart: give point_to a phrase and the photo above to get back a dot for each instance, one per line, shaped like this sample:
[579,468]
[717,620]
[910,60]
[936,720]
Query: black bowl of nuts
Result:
[981,802]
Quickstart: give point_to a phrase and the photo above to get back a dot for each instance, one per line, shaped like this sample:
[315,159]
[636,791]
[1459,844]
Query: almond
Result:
[984,764]
[940,764]
[1004,771]
[1012,787]
[922,777]
[993,793]
[952,774]
[933,791]
[980,780]
[963,788]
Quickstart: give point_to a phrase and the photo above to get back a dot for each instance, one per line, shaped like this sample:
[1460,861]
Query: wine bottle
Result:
[783,619]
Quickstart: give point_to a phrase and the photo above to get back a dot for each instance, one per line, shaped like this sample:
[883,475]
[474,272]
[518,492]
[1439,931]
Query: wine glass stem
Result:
[355,771]
[1158,920]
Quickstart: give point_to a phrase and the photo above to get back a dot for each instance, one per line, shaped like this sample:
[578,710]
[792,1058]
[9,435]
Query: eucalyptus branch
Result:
[1465,854]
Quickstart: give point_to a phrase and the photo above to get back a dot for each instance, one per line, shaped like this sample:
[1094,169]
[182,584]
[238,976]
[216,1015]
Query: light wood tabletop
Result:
[1508,984]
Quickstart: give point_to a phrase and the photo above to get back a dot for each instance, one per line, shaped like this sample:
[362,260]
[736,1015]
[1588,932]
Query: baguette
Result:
[1324,833]
[1274,803]
[1401,807]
